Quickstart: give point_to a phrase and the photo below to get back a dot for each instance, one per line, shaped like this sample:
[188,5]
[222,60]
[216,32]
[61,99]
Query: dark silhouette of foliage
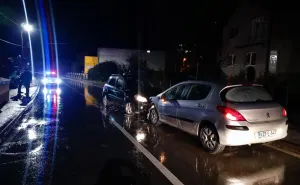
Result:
[103,70]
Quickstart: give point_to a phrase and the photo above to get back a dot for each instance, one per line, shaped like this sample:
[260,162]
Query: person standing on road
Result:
[26,77]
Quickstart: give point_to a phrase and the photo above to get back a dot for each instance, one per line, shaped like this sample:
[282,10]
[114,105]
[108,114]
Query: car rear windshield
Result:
[245,94]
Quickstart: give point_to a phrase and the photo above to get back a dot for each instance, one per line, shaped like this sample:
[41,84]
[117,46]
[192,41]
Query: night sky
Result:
[153,24]
[88,24]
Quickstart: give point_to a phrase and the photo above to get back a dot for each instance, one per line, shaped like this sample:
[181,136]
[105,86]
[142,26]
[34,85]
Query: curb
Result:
[8,125]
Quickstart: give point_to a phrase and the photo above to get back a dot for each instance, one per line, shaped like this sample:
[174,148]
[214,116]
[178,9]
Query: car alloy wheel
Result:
[153,116]
[129,108]
[210,140]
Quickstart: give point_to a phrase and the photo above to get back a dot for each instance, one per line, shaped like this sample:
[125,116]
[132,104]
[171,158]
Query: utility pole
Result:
[198,67]
[269,37]
[22,48]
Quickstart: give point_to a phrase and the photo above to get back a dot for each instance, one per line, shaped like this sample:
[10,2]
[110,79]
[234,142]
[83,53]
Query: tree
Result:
[103,70]
[137,66]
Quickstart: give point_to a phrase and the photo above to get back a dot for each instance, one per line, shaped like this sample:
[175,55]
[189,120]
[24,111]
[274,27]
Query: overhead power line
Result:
[8,18]
[10,42]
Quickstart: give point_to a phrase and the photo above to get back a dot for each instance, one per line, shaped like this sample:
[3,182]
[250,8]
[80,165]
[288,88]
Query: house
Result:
[260,37]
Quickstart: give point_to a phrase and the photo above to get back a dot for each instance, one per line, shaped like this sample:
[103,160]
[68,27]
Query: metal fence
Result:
[80,76]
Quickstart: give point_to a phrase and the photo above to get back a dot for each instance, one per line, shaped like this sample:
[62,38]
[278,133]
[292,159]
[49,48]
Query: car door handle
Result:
[200,105]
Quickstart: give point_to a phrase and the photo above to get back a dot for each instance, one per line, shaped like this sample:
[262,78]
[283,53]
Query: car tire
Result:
[105,101]
[210,139]
[129,108]
[153,116]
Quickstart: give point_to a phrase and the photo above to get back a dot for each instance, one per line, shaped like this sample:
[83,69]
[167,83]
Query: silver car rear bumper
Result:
[231,137]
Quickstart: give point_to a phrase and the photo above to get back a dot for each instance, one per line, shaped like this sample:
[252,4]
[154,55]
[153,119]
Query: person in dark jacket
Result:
[25,80]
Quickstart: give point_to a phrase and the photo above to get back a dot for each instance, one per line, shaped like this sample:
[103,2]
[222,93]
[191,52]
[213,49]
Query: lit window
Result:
[250,59]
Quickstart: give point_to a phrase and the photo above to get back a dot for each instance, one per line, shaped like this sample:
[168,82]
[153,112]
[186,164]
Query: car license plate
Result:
[269,133]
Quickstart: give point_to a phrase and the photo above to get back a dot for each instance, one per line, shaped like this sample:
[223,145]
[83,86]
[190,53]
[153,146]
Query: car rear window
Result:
[245,94]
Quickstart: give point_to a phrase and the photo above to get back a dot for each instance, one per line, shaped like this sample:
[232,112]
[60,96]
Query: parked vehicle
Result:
[129,93]
[221,115]
[51,77]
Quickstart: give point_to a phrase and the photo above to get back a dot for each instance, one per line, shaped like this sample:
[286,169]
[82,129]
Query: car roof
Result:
[203,82]
[126,77]
[116,75]
[218,84]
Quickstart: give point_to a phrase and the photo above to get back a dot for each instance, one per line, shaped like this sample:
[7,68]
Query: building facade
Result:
[260,38]
[245,41]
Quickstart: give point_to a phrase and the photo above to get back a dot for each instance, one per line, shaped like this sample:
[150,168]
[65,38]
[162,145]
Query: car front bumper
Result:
[141,108]
[230,137]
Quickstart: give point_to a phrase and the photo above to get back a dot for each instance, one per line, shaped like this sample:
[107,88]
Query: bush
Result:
[103,70]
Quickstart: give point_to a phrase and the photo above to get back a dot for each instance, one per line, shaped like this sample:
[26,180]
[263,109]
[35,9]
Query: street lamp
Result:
[27,28]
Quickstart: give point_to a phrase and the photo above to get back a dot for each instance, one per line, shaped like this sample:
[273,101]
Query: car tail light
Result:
[230,113]
[284,113]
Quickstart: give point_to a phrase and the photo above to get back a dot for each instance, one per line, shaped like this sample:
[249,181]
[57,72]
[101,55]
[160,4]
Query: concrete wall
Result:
[156,59]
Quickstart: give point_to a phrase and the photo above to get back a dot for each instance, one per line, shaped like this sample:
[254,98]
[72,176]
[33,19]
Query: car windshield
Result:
[246,94]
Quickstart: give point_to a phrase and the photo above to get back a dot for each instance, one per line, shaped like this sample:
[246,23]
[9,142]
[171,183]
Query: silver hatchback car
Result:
[221,115]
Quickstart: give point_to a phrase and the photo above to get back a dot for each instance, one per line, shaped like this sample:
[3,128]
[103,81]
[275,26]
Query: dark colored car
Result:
[129,93]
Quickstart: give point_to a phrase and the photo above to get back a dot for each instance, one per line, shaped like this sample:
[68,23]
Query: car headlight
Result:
[141,98]
[44,80]
[58,80]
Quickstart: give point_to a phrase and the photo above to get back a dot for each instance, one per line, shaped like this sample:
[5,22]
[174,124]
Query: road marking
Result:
[282,150]
[170,176]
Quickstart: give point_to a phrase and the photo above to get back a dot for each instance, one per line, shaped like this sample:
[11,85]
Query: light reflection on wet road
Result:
[68,139]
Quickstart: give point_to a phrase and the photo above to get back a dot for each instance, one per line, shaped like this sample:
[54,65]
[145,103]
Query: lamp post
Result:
[198,67]
[27,28]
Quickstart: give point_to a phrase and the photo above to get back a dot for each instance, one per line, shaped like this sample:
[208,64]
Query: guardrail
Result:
[80,76]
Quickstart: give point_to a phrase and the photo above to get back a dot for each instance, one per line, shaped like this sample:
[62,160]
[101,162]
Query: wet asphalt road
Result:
[69,139]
